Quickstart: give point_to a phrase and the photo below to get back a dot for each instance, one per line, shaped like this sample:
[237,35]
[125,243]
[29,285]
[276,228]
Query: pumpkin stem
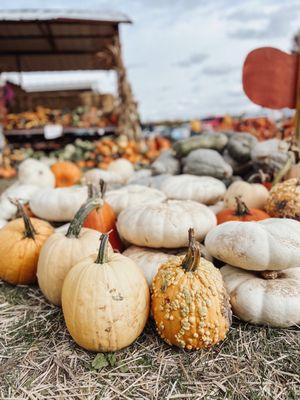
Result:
[91,190]
[241,208]
[29,231]
[80,216]
[193,255]
[103,187]
[269,274]
[102,257]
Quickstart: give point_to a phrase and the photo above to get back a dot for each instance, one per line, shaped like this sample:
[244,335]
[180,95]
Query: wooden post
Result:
[297,122]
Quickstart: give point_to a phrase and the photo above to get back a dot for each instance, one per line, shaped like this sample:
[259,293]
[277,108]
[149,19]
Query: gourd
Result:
[216,141]
[271,244]
[103,218]
[34,172]
[62,251]
[165,224]
[208,163]
[254,195]
[284,200]
[241,213]
[94,175]
[270,155]
[190,305]
[204,189]
[149,260]
[132,195]
[240,145]
[155,182]
[21,241]
[59,204]
[123,168]
[105,301]
[140,174]
[166,163]
[270,298]
[17,191]
[66,173]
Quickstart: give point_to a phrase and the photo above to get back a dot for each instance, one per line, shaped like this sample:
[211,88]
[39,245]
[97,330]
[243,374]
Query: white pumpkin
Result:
[165,224]
[204,189]
[3,222]
[274,302]
[17,191]
[96,174]
[34,172]
[254,195]
[271,244]
[59,204]
[132,195]
[123,168]
[140,174]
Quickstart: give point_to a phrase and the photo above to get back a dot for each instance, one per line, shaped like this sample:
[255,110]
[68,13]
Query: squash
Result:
[149,260]
[270,155]
[208,163]
[59,204]
[66,173]
[20,245]
[155,182]
[165,163]
[17,191]
[190,305]
[140,174]
[284,200]
[165,224]
[105,301]
[271,244]
[271,298]
[63,250]
[240,145]
[103,218]
[94,175]
[216,141]
[123,168]
[34,172]
[254,195]
[204,189]
[241,213]
[132,195]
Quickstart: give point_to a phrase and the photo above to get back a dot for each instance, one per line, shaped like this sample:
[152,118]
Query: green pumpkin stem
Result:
[241,208]
[102,257]
[103,187]
[80,216]
[91,190]
[192,259]
[29,231]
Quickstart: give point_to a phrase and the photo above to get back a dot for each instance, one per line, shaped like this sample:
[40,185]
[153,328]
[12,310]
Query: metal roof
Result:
[57,40]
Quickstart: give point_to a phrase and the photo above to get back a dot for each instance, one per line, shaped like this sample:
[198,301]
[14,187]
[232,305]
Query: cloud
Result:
[194,59]
[218,69]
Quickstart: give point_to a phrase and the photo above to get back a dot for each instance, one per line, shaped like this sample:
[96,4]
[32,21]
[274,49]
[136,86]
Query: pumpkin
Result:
[165,224]
[166,163]
[240,145]
[271,155]
[103,218]
[216,141]
[190,305]
[149,260]
[123,168]
[17,191]
[204,189]
[59,204]
[105,301]
[254,195]
[269,298]
[20,245]
[34,172]
[66,173]
[294,172]
[241,213]
[216,208]
[132,195]
[155,182]
[94,175]
[63,250]
[273,243]
[206,162]
[284,200]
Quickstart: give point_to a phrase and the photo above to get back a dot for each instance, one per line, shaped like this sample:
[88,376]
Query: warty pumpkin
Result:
[21,241]
[267,298]
[62,251]
[254,195]
[105,301]
[66,173]
[190,305]
[284,200]
[241,213]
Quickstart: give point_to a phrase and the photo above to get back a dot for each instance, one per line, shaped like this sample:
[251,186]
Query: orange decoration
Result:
[66,173]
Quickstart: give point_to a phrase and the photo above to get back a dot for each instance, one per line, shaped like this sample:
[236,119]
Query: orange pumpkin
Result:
[103,219]
[66,173]
[241,213]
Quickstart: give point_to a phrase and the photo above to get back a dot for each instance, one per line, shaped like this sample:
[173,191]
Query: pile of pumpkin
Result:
[145,231]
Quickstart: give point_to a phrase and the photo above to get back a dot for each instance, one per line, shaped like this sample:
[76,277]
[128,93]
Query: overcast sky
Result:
[184,57]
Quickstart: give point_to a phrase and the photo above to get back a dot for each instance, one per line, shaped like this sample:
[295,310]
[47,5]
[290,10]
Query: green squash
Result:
[240,145]
[215,141]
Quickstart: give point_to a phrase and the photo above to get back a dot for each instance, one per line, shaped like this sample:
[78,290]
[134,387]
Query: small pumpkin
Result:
[123,168]
[21,241]
[216,141]
[268,298]
[254,195]
[34,172]
[63,250]
[105,301]
[94,175]
[17,191]
[241,213]
[190,305]
[284,200]
[66,173]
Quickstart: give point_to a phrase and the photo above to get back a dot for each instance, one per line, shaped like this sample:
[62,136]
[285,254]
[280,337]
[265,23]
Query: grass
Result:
[39,360]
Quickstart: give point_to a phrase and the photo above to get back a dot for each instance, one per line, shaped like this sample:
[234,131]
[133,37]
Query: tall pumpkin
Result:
[190,305]
[105,301]
[20,245]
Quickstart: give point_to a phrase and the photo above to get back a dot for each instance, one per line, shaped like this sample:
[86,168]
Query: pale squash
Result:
[34,172]
[254,195]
